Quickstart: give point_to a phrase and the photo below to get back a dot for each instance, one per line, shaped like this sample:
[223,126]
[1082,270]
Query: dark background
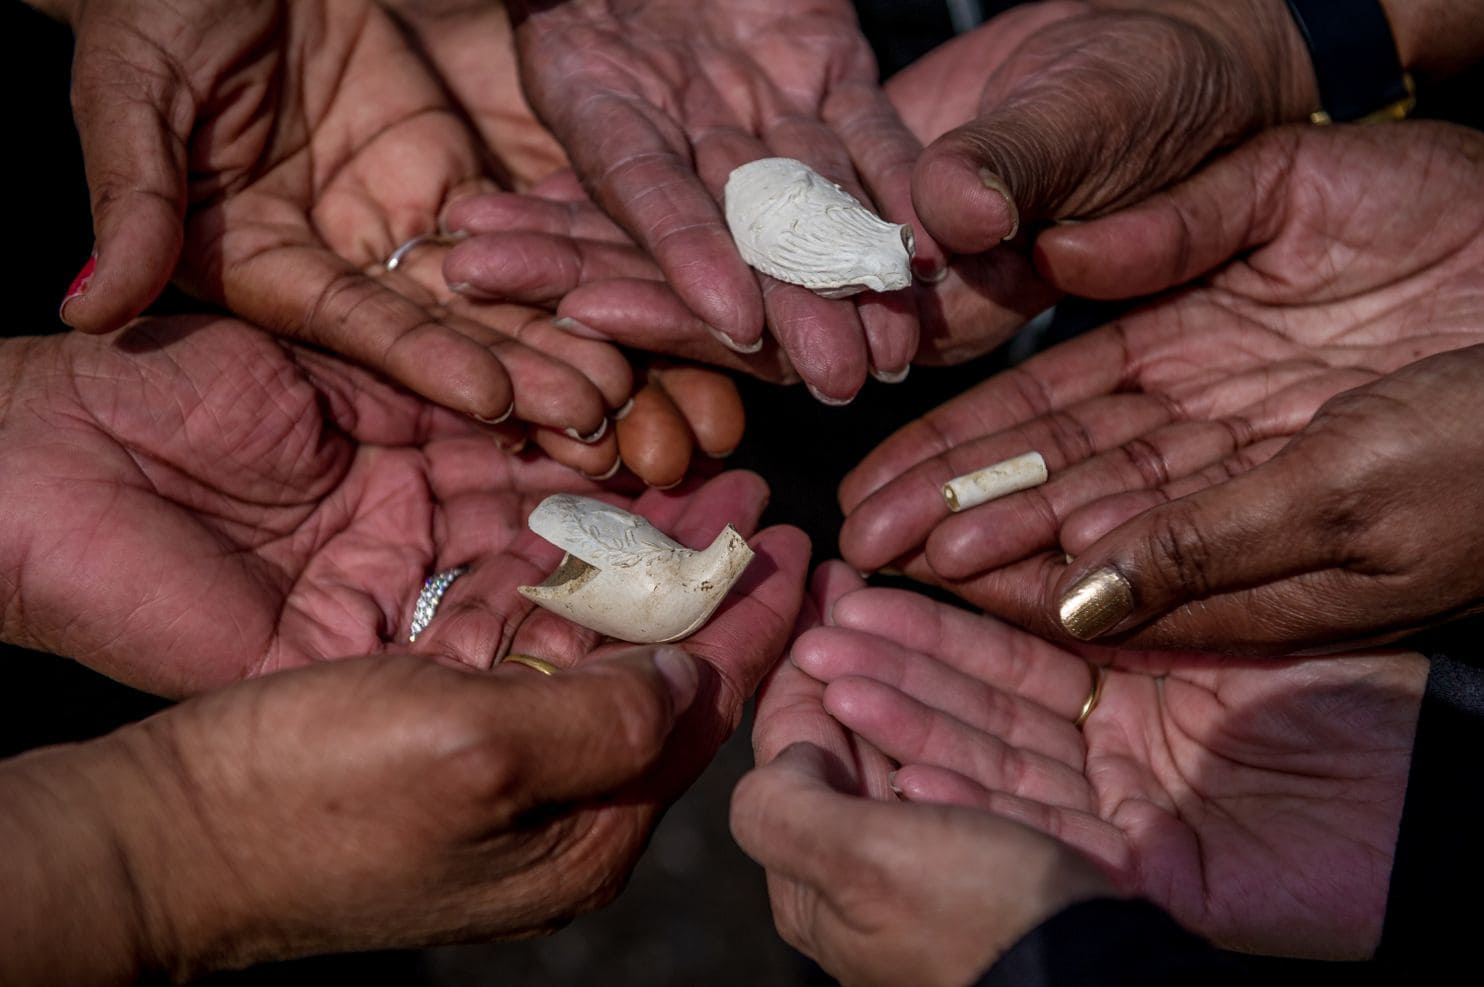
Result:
[696,911]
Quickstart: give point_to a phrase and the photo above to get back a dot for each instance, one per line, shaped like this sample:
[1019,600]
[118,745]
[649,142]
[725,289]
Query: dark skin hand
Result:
[371,803]
[1326,261]
[1259,801]
[656,102]
[1105,104]
[271,156]
[875,890]
[202,503]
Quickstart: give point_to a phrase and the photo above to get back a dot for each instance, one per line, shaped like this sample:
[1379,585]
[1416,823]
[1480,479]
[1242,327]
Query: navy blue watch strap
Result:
[1355,60]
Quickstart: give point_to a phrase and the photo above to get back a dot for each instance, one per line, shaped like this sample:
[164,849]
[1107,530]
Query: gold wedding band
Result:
[1093,695]
[539,664]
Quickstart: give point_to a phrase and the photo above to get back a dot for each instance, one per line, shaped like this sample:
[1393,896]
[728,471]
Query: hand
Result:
[472,48]
[201,504]
[315,140]
[1258,802]
[1082,108]
[876,891]
[1201,384]
[671,96]
[377,802]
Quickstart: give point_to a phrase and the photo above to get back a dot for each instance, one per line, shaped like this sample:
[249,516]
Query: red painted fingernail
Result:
[79,285]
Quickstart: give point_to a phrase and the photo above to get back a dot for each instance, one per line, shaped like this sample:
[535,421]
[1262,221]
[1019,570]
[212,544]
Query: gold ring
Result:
[539,664]
[1093,695]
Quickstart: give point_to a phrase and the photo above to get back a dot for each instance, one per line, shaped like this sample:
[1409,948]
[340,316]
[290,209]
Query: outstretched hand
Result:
[203,503]
[1258,802]
[879,892]
[656,104]
[271,157]
[1336,284]
[1074,109]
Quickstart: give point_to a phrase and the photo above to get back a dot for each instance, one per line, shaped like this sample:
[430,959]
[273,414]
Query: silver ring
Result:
[432,595]
[400,254]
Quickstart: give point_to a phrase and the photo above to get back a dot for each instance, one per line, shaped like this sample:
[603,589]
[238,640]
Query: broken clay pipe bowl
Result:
[793,224]
[624,578]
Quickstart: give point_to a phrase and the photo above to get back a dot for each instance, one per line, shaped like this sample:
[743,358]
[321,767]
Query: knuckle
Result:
[1180,552]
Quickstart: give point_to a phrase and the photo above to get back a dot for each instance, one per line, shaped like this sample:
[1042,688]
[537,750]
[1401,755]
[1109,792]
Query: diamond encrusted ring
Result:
[428,600]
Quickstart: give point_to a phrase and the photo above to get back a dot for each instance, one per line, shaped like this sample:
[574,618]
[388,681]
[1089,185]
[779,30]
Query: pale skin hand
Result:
[1345,282]
[271,156]
[657,102]
[876,891]
[202,503]
[1258,802]
[377,802]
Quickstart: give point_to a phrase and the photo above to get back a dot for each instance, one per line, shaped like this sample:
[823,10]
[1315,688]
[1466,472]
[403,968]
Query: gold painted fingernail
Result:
[1096,604]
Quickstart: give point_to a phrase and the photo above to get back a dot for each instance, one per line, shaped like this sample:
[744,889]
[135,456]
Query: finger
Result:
[658,194]
[833,653]
[831,580]
[884,152]
[647,315]
[788,816]
[1237,202]
[891,327]
[910,732]
[980,647]
[538,268]
[1087,367]
[1014,527]
[597,460]
[1279,520]
[505,212]
[585,731]
[1085,831]
[654,439]
[1087,524]
[1042,150]
[136,170]
[710,403]
[420,277]
[909,510]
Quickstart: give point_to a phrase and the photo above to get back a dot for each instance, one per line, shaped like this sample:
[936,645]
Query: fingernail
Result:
[667,486]
[719,455]
[597,434]
[891,780]
[679,671]
[733,344]
[498,418]
[995,183]
[825,399]
[512,446]
[1096,604]
[571,325]
[459,287]
[931,275]
[606,474]
[892,376]
[79,285]
[623,411]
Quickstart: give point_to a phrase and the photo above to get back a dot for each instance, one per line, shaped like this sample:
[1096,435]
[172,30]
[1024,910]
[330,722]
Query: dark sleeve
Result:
[1437,877]
[1108,942]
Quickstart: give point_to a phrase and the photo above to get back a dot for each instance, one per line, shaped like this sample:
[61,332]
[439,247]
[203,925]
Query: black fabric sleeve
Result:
[1433,908]
[1108,942]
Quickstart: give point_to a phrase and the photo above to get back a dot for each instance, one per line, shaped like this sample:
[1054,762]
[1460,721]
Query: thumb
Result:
[1091,112]
[589,730]
[1259,528]
[1235,204]
[133,119]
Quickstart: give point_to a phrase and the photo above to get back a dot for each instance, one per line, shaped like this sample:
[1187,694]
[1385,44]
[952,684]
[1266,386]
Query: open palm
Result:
[1348,282]
[200,503]
[1258,802]
[301,143]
